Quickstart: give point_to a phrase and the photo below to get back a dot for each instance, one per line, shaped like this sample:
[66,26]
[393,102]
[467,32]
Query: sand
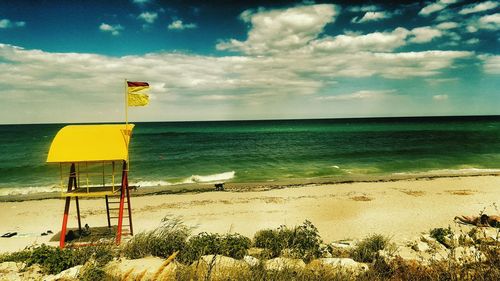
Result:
[400,209]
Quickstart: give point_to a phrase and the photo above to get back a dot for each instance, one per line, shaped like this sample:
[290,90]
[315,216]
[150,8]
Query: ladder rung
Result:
[118,217]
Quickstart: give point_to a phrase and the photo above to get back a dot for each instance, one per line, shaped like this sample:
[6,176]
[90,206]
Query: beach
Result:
[400,209]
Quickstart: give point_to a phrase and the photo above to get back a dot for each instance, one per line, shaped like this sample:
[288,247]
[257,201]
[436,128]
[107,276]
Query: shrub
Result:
[440,233]
[367,249]
[92,272]
[171,236]
[232,245]
[302,241]
[52,259]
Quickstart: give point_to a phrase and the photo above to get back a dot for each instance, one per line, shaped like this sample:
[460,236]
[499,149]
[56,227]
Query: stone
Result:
[251,261]
[420,246]
[148,268]
[281,263]
[68,274]
[344,263]
[468,255]
[217,266]
[10,266]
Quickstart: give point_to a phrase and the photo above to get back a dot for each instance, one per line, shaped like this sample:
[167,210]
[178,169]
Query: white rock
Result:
[68,274]
[11,266]
[251,261]
[282,263]
[149,268]
[468,254]
[345,263]
[420,246]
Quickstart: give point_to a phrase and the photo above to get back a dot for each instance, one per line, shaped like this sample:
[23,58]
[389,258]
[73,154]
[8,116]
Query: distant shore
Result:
[398,208]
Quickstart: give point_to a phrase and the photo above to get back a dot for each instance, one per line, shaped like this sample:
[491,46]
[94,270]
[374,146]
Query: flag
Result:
[136,93]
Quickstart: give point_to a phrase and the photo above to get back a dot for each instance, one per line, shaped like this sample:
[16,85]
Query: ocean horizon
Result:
[246,151]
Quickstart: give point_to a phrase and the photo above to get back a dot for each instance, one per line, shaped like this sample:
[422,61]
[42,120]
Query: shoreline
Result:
[399,208]
[256,186]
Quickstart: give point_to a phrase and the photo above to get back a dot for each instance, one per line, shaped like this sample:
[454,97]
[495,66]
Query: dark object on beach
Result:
[70,236]
[49,231]
[43,234]
[9,234]
[219,186]
[483,220]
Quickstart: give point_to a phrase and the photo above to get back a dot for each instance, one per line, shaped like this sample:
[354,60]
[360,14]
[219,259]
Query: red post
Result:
[122,201]
[71,182]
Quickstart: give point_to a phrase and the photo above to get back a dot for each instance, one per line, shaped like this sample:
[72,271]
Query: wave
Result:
[192,179]
[464,171]
[210,178]
[10,191]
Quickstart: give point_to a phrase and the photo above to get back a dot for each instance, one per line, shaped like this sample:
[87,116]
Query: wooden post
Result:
[129,209]
[71,183]
[78,215]
[122,201]
[107,210]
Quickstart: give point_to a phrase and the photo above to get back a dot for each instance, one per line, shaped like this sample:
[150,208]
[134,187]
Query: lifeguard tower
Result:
[93,154]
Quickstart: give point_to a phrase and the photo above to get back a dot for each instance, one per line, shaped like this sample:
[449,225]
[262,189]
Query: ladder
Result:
[116,205]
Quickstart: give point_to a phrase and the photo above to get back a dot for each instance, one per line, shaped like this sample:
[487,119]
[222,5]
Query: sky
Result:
[66,61]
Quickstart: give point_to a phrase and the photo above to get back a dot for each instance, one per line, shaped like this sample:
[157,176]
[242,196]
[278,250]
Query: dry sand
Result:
[400,209]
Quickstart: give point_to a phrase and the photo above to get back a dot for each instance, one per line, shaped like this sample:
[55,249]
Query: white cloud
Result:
[365,8]
[6,23]
[281,30]
[447,25]
[377,41]
[179,25]
[491,22]
[480,7]
[360,95]
[472,41]
[141,2]
[113,29]
[491,63]
[425,34]
[148,17]
[440,97]
[372,16]
[435,7]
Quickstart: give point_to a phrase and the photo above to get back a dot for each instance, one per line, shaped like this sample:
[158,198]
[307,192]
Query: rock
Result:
[148,268]
[10,266]
[68,274]
[489,235]
[451,242]
[251,261]
[344,263]
[216,266]
[342,245]
[421,247]
[468,255]
[281,263]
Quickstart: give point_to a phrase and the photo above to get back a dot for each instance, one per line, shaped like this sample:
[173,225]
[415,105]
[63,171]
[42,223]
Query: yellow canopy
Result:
[88,143]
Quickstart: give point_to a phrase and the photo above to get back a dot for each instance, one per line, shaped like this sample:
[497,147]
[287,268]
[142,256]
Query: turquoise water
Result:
[255,151]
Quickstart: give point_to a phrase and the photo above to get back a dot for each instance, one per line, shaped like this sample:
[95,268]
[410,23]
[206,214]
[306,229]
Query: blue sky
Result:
[65,61]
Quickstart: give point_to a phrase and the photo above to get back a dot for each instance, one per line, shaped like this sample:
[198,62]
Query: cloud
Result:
[179,25]
[360,95]
[491,64]
[113,29]
[480,7]
[281,30]
[491,22]
[148,17]
[377,41]
[6,23]
[440,97]
[372,16]
[141,2]
[425,34]
[435,7]
[365,8]
[447,25]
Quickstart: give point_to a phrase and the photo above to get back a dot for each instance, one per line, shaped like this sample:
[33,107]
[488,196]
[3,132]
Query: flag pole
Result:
[126,106]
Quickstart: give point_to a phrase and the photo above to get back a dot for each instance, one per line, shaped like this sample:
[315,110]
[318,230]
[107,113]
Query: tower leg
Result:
[71,183]
[129,210]
[107,210]
[122,202]
[78,215]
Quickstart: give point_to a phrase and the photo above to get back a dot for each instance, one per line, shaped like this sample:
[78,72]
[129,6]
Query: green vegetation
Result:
[301,242]
[367,249]
[440,233]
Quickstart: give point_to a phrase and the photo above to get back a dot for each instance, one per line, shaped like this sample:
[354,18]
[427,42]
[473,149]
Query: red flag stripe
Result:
[137,84]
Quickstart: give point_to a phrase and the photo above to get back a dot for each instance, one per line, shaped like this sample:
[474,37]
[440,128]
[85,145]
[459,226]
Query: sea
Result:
[173,153]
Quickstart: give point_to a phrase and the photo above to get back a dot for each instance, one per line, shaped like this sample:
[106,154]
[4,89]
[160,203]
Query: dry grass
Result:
[361,198]
[415,193]
[461,192]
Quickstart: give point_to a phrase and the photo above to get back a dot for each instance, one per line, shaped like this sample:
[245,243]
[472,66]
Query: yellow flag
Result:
[138,99]
[136,95]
